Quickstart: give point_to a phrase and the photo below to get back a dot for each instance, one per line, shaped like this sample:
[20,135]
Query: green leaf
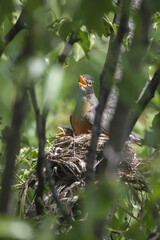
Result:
[84,41]
[33,154]
[152,136]
[91,14]
[156,120]
[135,232]
[65,29]
[78,52]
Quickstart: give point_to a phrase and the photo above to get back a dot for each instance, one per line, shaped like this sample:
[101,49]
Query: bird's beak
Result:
[82,82]
[60,134]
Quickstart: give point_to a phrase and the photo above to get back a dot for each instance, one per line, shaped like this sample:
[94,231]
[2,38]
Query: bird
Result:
[83,116]
[84,112]
[65,131]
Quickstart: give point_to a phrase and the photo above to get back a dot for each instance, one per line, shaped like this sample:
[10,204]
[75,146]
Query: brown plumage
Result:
[83,116]
[84,107]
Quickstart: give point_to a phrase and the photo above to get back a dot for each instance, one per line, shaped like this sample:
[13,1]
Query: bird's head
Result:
[86,83]
[65,131]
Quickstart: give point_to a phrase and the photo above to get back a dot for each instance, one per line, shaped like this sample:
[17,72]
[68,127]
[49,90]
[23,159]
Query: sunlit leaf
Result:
[78,52]
[33,154]
[84,41]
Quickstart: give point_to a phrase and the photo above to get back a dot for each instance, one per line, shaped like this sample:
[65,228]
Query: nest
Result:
[67,160]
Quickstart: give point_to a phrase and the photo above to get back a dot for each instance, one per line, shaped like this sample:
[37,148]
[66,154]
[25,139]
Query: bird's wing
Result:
[108,111]
[134,137]
[105,120]
[71,120]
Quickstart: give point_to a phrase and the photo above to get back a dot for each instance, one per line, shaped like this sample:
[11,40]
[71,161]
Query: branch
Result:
[107,81]
[42,161]
[17,27]
[150,90]
[12,147]
[41,152]
[145,98]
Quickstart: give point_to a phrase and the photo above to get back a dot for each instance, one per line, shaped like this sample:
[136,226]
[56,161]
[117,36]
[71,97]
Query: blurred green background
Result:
[80,29]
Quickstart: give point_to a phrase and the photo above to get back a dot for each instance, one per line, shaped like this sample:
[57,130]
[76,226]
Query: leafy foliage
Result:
[47,45]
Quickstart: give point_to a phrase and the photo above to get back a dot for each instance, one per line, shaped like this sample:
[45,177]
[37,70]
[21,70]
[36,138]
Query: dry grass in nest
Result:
[68,163]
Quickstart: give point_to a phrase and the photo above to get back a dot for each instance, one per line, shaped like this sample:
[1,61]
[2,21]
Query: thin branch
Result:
[41,153]
[145,99]
[149,92]
[139,107]
[12,147]
[17,27]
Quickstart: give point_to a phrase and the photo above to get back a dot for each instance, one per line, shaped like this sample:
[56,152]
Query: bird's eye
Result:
[89,83]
